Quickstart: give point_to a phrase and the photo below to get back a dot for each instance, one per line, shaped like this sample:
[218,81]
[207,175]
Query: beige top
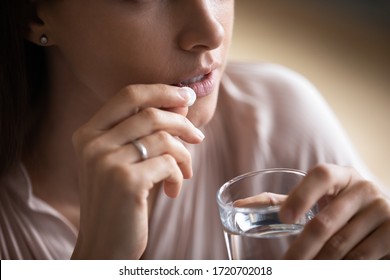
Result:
[267,116]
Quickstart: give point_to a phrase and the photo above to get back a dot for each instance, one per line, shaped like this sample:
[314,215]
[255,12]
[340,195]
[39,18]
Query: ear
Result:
[38,31]
[37,35]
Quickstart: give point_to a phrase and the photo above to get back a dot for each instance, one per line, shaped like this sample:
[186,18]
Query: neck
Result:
[51,162]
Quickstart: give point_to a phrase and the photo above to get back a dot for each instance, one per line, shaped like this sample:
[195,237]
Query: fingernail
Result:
[200,133]
[188,94]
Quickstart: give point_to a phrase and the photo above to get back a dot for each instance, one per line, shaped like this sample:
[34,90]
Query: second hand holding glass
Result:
[249,210]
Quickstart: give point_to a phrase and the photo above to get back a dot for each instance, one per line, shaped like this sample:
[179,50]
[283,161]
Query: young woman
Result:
[100,129]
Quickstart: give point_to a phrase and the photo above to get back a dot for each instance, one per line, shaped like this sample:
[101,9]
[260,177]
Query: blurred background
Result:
[342,47]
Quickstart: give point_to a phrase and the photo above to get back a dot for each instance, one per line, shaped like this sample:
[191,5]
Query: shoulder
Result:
[276,92]
[291,121]
[269,71]
[269,81]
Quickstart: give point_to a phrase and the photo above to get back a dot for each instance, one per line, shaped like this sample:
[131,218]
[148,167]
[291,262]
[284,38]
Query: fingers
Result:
[331,220]
[367,224]
[123,120]
[134,98]
[353,224]
[261,200]
[369,248]
[151,120]
[164,169]
[113,179]
[91,142]
[157,144]
[323,180]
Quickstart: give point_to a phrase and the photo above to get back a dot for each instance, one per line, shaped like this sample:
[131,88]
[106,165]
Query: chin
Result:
[199,120]
[202,111]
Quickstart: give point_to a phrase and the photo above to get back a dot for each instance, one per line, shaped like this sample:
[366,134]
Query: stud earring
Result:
[43,40]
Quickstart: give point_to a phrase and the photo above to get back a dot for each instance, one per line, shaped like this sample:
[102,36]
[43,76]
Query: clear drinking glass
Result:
[252,227]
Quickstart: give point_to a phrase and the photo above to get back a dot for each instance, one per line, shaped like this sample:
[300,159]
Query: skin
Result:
[110,88]
[112,67]
[353,224]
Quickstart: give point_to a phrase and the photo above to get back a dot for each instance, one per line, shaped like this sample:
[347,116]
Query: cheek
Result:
[106,61]
[105,68]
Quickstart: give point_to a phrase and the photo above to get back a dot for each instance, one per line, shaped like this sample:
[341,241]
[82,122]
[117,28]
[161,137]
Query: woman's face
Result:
[109,44]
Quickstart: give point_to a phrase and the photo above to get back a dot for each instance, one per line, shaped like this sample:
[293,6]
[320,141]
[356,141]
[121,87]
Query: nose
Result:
[201,28]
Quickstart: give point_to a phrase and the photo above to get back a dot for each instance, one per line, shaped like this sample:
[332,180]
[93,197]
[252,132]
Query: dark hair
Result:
[22,77]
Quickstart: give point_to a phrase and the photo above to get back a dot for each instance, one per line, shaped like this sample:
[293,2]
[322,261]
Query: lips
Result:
[192,81]
[203,84]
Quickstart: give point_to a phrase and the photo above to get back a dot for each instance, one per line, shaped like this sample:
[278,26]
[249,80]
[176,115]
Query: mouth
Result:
[192,80]
[203,85]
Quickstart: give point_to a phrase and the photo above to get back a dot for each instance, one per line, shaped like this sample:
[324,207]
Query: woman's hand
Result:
[353,224]
[114,182]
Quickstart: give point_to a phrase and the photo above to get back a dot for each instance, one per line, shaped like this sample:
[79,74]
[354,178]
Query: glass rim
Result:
[247,175]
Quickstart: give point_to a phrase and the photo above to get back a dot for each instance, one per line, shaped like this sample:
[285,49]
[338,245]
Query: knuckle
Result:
[133,185]
[367,189]
[106,161]
[336,245]
[322,172]
[168,159]
[119,172]
[383,207]
[133,179]
[151,114]
[172,144]
[123,174]
[129,94]
[93,149]
[352,170]
[164,137]
[320,225]
[163,89]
